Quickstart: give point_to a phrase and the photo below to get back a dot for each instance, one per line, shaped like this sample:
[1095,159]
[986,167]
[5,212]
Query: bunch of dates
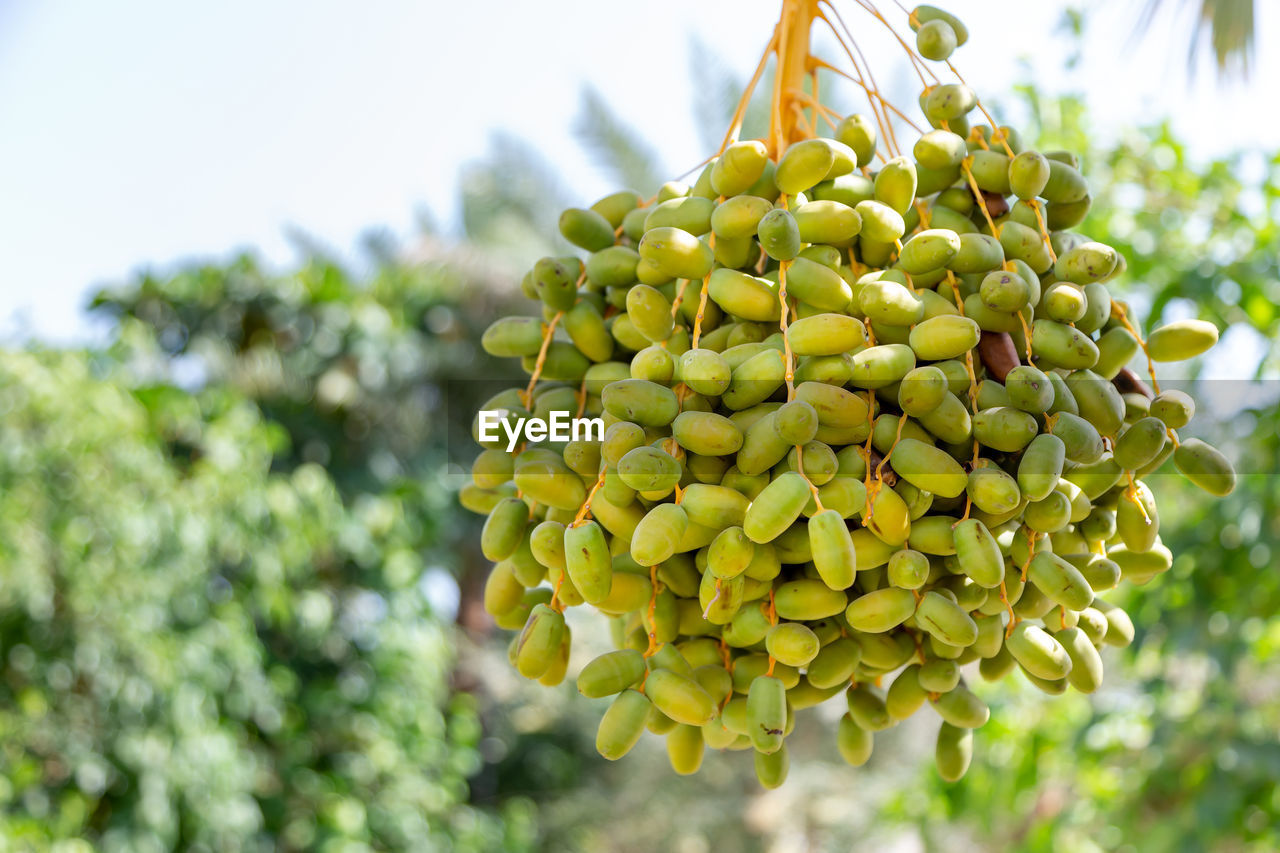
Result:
[849,424]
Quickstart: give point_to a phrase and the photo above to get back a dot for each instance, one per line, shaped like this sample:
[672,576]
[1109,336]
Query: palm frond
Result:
[511,194]
[716,90]
[1232,32]
[616,148]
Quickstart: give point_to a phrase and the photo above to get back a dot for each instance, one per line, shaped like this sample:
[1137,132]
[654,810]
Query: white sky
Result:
[142,132]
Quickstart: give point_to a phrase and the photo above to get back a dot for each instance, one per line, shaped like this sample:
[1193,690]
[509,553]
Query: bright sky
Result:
[141,132]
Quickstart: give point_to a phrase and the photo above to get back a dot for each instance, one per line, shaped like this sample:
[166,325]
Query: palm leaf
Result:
[616,148]
[1231,24]
[1232,29]
[510,197]
[715,93]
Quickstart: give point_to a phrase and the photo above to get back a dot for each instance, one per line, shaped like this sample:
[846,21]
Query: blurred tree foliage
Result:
[185,665]
[215,612]
[360,372]
[356,369]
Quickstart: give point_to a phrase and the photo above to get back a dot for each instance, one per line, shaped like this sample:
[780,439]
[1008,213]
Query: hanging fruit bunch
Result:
[867,419]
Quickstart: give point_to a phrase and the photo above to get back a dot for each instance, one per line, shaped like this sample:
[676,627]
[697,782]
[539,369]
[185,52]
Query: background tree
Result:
[184,667]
